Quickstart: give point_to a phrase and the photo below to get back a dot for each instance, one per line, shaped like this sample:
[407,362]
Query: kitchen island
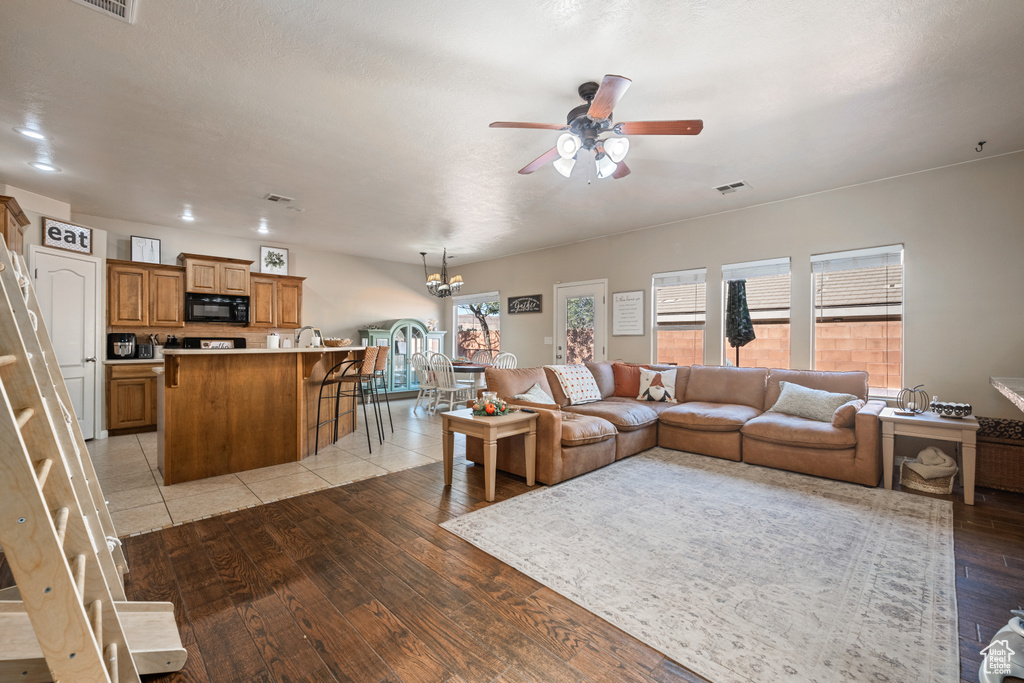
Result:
[221,411]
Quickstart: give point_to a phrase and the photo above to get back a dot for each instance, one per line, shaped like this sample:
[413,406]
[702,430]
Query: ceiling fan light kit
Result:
[585,125]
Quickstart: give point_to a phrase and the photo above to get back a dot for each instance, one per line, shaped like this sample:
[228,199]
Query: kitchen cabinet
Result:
[12,223]
[139,294]
[403,338]
[275,301]
[131,396]
[215,275]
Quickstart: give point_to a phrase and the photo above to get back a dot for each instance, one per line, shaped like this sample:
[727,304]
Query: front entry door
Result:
[66,285]
[580,332]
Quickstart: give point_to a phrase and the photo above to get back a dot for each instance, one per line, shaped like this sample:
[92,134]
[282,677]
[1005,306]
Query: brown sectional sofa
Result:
[721,411]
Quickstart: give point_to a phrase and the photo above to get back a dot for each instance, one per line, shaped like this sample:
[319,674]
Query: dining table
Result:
[474,369]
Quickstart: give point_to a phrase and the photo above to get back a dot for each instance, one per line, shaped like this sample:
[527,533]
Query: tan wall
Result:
[341,293]
[962,226]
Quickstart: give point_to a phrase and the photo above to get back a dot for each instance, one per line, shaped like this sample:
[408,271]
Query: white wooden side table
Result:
[489,429]
[928,425]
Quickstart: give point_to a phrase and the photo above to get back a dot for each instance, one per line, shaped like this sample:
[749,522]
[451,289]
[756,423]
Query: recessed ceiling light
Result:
[30,133]
[44,167]
[187,214]
[263,227]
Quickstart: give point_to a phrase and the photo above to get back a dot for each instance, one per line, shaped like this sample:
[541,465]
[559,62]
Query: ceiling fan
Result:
[586,124]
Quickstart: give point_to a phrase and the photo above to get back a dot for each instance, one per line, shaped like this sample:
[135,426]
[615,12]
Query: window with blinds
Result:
[768,299]
[858,314]
[680,312]
[477,324]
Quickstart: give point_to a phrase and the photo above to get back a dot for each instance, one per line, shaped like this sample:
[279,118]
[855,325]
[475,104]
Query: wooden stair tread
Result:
[149,628]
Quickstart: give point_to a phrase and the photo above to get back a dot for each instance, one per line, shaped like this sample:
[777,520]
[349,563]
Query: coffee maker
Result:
[120,345]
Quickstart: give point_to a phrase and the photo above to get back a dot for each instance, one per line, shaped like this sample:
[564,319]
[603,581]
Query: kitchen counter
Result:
[218,352]
[134,361]
[1010,387]
[221,411]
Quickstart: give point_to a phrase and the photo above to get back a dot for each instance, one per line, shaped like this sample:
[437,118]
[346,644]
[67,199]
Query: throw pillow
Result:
[627,379]
[578,383]
[657,386]
[846,414]
[535,395]
[812,404]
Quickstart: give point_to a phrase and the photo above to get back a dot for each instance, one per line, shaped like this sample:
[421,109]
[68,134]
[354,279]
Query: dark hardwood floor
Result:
[358,583]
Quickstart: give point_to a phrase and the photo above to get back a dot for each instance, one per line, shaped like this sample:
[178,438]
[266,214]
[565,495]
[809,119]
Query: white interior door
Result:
[67,286]
[580,322]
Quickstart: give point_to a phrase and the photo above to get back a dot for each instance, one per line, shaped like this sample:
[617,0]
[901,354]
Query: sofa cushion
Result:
[625,416]
[855,383]
[657,386]
[536,394]
[723,384]
[789,430]
[709,417]
[577,382]
[508,383]
[814,404]
[578,430]
[846,414]
[602,372]
[659,408]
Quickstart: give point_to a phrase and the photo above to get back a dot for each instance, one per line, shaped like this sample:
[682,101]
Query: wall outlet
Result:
[549,341]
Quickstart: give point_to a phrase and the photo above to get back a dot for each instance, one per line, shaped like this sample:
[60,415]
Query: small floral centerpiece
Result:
[490,408]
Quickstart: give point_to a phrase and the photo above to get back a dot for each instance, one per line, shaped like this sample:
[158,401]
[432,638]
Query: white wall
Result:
[963,231]
[341,293]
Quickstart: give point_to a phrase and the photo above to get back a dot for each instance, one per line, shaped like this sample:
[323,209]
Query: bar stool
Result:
[380,373]
[349,386]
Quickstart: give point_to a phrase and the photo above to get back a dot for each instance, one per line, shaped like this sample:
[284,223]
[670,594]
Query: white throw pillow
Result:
[657,385]
[812,404]
[535,395]
[578,383]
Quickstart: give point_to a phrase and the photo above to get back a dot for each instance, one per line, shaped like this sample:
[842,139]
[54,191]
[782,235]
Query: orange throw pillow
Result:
[627,379]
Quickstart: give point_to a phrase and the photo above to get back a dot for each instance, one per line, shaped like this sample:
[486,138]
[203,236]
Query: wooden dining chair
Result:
[505,361]
[482,356]
[444,375]
[425,380]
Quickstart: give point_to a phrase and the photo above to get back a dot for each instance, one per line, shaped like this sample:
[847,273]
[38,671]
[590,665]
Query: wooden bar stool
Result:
[380,373]
[349,386]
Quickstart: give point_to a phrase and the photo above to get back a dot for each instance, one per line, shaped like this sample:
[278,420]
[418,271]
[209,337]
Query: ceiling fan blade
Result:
[691,127]
[612,88]
[520,124]
[622,171]
[544,158]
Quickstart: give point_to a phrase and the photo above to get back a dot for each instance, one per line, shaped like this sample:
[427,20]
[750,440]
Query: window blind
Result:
[680,277]
[470,299]
[751,269]
[857,259]
[680,298]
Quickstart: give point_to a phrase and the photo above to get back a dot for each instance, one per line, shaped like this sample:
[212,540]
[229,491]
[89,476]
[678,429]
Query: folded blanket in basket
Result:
[932,463]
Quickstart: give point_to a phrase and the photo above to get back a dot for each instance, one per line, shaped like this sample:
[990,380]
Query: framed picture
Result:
[145,249]
[274,260]
[524,304]
[628,314]
[216,344]
[67,236]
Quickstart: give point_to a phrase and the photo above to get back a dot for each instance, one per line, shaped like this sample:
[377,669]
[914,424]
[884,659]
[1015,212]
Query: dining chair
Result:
[444,376]
[425,379]
[505,361]
[482,356]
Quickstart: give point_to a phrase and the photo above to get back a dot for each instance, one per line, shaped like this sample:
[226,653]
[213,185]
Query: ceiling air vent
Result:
[732,187]
[120,9]
[279,198]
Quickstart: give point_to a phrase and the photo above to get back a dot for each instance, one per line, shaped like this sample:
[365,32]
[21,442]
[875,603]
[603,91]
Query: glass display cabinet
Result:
[404,337]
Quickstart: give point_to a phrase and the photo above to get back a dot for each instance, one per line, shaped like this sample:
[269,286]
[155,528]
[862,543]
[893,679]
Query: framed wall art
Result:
[274,260]
[68,236]
[628,314]
[145,249]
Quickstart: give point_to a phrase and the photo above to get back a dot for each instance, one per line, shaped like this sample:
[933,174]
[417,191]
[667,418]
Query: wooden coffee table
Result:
[489,429]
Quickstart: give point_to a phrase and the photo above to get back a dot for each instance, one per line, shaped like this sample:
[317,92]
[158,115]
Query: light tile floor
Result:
[139,502]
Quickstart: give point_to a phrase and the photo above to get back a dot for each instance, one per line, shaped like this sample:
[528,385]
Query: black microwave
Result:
[216,308]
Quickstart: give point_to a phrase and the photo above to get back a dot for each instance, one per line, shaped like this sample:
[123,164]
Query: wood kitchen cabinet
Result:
[131,396]
[215,275]
[145,295]
[12,223]
[275,301]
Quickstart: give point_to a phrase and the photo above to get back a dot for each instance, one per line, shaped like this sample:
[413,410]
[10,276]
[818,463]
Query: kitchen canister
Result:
[273,340]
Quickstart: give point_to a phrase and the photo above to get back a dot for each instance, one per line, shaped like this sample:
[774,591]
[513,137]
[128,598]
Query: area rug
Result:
[744,573]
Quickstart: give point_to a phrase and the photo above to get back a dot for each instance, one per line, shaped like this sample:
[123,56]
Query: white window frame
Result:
[465,300]
[691,276]
[893,254]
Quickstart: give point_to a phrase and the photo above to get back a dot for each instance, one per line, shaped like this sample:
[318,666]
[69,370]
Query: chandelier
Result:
[438,284]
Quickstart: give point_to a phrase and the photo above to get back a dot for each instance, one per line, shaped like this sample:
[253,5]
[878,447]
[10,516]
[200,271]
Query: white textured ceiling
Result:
[373,114]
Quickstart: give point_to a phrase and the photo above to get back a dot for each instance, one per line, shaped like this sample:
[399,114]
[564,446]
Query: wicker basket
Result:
[912,480]
[337,342]
[1000,466]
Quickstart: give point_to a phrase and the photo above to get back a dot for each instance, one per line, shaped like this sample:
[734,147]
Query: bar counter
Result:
[221,411]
